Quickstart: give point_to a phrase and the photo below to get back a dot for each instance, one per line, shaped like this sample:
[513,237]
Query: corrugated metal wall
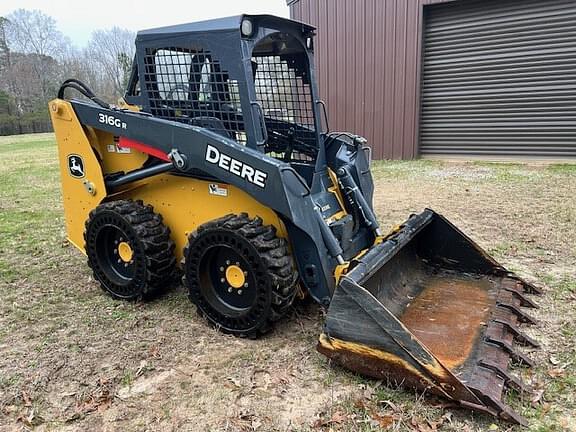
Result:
[368,59]
[499,79]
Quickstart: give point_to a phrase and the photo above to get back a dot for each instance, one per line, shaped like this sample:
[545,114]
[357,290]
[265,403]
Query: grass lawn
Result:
[73,359]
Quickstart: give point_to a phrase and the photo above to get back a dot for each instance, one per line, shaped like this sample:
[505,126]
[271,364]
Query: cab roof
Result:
[226,24]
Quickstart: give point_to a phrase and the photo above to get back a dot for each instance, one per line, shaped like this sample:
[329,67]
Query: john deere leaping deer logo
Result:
[75,166]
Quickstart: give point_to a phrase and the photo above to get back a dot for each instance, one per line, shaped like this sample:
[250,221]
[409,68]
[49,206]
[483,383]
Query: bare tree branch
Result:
[111,51]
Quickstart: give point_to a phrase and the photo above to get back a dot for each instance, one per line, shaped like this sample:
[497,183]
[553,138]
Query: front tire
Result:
[239,274]
[129,249]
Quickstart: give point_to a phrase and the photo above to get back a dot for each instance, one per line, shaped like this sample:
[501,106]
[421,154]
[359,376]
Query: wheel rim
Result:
[119,270]
[125,251]
[235,276]
[206,268]
[226,280]
[116,255]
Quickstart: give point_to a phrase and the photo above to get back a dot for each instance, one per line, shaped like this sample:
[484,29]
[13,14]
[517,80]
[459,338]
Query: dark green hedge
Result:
[33,122]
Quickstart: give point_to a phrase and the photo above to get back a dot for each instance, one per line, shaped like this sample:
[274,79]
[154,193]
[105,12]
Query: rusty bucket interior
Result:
[428,308]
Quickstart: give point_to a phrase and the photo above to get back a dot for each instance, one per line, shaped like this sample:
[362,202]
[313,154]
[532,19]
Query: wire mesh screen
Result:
[285,95]
[190,87]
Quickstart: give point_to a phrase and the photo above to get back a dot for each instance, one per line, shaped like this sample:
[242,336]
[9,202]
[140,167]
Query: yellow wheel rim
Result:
[235,276]
[125,251]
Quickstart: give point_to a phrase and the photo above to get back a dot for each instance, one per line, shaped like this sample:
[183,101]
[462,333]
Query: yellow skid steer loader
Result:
[219,165]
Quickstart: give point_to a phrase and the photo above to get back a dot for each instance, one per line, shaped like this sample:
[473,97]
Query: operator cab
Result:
[251,83]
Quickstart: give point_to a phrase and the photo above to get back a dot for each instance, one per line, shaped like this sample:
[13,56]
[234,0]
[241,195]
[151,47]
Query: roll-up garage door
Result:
[499,79]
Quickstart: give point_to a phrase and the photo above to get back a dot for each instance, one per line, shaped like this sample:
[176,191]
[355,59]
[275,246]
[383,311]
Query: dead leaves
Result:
[426,425]
[28,417]
[385,421]
[537,395]
[556,373]
[246,422]
[559,369]
[26,399]
[31,419]
[380,415]
[100,399]
[261,382]
[154,352]
[336,419]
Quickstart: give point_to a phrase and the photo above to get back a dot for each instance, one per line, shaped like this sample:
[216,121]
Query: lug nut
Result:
[229,289]
[221,269]
[222,280]
[239,292]
[227,262]
[246,285]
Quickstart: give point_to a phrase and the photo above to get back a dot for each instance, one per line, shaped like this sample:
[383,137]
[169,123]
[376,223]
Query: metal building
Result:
[469,78]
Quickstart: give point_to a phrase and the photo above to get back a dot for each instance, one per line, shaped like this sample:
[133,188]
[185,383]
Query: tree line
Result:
[35,58]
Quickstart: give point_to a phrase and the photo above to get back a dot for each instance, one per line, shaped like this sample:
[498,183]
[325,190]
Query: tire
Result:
[129,249]
[261,296]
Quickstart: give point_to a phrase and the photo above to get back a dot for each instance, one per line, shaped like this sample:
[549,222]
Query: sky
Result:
[78,18]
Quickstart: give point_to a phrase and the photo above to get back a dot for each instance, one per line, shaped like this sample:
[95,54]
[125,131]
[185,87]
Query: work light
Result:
[247,28]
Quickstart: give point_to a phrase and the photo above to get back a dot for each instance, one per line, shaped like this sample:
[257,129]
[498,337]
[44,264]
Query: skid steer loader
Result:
[218,164]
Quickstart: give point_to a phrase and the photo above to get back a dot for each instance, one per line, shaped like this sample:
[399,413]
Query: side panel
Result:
[185,203]
[77,199]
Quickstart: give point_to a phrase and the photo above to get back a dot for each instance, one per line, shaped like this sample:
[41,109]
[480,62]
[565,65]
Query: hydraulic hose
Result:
[83,89]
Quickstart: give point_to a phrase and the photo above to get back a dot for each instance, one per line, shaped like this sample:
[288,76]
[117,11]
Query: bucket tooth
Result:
[495,408]
[524,301]
[529,288]
[522,317]
[519,337]
[521,284]
[509,380]
[503,410]
[512,416]
[517,357]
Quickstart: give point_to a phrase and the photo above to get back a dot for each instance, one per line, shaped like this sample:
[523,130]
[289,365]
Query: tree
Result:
[35,57]
[111,52]
[34,32]
[34,35]
[4,51]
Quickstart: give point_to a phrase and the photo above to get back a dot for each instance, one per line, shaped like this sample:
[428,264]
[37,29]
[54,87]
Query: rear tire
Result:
[129,249]
[239,274]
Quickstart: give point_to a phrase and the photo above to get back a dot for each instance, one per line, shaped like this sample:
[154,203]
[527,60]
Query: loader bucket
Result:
[428,308]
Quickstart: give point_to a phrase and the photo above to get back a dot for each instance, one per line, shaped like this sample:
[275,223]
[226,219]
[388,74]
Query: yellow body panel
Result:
[184,203]
[114,158]
[77,198]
